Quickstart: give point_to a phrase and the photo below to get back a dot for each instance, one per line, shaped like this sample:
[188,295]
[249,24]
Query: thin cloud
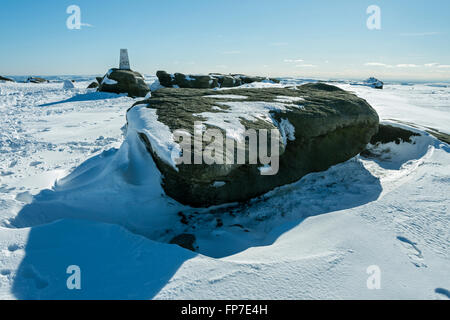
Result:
[444,66]
[406,65]
[305,66]
[293,60]
[434,64]
[375,64]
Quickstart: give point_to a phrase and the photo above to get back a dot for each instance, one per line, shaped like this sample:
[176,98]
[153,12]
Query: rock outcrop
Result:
[124,81]
[93,85]
[213,80]
[319,126]
[374,83]
[6,79]
[36,80]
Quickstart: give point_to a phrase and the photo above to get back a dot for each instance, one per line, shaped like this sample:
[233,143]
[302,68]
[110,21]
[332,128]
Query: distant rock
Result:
[6,79]
[186,241]
[93,85]
[213,80]
[165,79]
[68,85]
[320,126]
[36,80]
[374,83]
[124,81]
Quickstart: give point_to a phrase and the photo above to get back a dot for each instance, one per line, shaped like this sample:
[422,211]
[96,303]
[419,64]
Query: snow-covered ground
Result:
[75,189]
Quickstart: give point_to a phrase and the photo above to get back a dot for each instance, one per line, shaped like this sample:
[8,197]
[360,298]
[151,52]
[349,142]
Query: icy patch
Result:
[144,120]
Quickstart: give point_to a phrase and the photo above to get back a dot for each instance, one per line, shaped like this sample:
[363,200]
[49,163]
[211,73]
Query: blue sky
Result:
[307,38]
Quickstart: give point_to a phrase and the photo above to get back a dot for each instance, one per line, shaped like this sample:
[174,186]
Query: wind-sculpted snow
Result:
[74,191]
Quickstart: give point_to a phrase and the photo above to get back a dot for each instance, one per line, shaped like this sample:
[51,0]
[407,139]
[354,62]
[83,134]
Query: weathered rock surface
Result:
[124,81]
[213,80]
[387,133]
[93,85]
[320,126]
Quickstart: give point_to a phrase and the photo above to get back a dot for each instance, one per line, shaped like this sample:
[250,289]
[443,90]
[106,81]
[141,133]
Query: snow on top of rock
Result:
[144,120]
[227,96]
[109,81]
[68,85]
[230,120]
[288,99]
[287,131]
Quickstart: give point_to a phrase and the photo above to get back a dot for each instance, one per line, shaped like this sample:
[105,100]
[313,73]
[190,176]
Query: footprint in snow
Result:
[413,252]
[35,163]
[443,292]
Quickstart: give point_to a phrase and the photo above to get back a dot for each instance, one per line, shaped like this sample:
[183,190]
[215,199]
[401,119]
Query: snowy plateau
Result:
[77,189]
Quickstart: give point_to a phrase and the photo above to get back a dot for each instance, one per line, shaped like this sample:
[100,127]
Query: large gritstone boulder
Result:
[213,80]
[124,81]
[318,126]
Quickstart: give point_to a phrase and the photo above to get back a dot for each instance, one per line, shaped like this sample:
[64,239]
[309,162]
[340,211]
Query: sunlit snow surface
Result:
[76,189]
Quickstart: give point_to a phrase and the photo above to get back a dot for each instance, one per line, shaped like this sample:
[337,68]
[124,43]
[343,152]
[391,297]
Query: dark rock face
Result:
[93,85]
[124,81]
[388,134]
[36,80]
[331,126]
[6,79]
[375,83]
[213,80]
[186,241]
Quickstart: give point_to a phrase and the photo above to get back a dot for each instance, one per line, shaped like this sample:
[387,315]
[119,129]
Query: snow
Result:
[145,120]
[227,96]
[67,85]
[230,119]
[94,199]
[109,81]
[287,99]
[287,131]
[419,104]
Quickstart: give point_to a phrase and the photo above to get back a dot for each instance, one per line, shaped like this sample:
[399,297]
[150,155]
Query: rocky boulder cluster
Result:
[210,81]
[123,81]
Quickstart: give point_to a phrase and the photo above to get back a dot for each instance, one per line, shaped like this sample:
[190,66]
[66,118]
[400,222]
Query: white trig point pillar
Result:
[124,60]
